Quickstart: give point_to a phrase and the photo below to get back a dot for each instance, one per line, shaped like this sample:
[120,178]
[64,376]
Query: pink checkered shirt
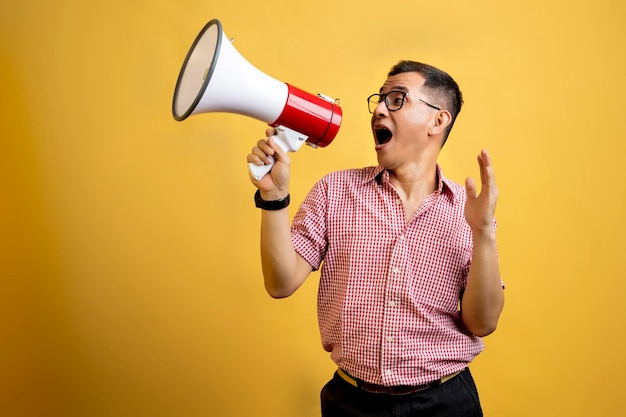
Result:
[389,291]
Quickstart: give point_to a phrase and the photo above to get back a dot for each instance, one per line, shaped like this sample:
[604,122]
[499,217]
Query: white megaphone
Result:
[216,78]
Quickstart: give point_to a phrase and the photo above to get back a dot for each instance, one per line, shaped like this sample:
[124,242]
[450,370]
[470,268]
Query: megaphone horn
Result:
[216,78]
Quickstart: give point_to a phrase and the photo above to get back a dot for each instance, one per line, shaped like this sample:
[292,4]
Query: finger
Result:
[261,154]
[252,158]
[278,152]
[487,169]
[470,187]
[486,158]
[481,167]
[488,178]
[264,146]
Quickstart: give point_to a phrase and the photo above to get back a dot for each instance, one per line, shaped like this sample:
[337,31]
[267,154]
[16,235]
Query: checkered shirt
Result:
[389,291]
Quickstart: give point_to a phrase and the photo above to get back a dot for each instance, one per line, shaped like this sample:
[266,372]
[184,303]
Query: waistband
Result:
[393,390]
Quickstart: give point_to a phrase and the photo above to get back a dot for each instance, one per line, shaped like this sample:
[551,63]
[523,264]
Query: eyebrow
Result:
[396,88]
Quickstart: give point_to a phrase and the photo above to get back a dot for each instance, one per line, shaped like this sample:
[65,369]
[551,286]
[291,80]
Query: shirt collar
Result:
[381,175]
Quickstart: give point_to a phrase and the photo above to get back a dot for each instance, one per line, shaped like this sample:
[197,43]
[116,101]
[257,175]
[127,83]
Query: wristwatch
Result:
[272,204]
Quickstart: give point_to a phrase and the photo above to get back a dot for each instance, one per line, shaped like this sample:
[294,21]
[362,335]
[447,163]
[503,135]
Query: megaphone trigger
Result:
[289,141]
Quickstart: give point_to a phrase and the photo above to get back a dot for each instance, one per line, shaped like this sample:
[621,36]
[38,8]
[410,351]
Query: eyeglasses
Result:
[394,100]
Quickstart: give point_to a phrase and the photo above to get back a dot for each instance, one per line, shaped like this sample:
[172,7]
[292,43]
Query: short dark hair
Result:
[439,84]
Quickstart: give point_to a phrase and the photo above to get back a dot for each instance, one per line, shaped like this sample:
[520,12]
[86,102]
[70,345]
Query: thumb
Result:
[470,187]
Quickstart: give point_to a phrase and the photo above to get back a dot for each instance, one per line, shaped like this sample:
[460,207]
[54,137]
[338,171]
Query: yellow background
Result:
[130,276]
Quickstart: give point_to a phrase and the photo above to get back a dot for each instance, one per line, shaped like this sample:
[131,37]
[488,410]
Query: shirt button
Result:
[390,338]
[398,202]
[392,303]
[396,269]
[388,372]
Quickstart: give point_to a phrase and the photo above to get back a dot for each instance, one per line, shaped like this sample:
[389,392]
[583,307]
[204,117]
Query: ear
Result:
[440,122]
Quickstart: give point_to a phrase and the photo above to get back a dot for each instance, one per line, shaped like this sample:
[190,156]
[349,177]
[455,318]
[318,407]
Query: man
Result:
[410,279]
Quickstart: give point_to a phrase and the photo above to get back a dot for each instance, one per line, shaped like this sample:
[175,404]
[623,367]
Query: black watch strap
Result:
[270,205]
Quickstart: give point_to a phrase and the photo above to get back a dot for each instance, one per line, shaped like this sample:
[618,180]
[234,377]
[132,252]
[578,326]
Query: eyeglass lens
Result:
[393,100]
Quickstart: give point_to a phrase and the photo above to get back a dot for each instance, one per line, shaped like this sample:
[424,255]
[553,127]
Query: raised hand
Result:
[480,209]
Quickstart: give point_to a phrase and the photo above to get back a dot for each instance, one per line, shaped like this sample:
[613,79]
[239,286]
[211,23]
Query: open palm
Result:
[480,208]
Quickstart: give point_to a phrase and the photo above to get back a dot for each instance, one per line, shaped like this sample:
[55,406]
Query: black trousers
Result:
[457,397]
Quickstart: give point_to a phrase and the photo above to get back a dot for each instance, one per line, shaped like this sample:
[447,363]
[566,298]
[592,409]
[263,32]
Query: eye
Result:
[395,98]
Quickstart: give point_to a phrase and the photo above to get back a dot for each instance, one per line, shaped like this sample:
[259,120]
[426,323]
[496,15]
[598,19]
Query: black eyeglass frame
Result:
[383,97]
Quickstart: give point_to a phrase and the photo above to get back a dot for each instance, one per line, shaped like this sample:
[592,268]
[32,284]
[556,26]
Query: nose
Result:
[379,113]
[380,110]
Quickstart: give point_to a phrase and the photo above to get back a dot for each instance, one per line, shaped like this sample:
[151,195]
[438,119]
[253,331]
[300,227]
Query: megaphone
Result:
[216,78]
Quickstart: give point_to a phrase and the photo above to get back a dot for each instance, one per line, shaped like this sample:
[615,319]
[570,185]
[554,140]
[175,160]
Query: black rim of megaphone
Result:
[207,78]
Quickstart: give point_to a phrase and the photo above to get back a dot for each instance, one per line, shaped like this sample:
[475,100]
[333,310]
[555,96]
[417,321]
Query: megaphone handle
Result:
[288,139]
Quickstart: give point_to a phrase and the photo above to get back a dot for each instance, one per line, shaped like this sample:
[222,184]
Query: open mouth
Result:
[383,135]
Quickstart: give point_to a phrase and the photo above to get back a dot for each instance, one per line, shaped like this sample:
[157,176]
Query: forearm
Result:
[483,298]
[283,269]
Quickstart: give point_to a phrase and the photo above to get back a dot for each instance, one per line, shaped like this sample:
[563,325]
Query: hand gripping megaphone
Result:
[216,78]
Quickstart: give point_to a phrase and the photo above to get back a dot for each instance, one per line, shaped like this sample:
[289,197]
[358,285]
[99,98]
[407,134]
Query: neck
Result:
[414,183]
